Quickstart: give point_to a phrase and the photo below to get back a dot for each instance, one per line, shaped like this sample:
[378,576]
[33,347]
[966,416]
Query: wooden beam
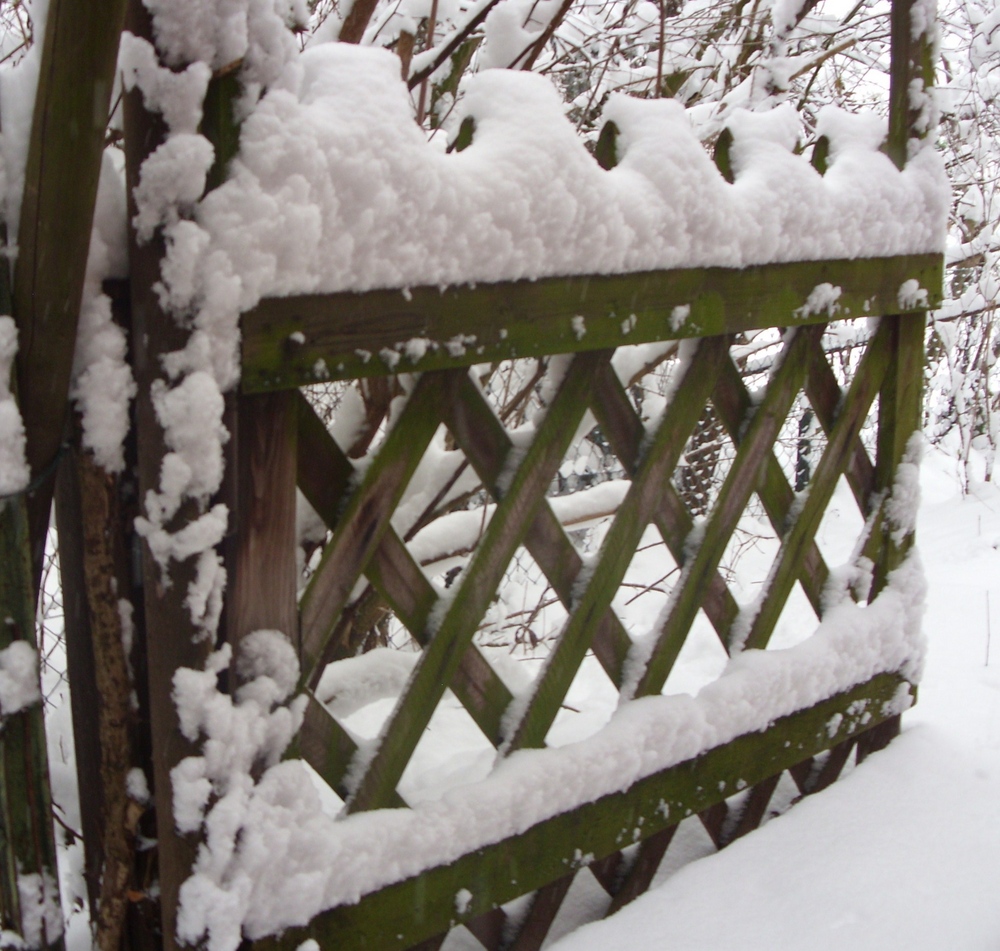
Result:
[293,341]
[79,55]
[402,914]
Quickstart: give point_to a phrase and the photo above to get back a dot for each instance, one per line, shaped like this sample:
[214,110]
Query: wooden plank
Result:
[900,417]
[752,812]
[734,406]
[324,476]
[401,914]
[800,537]
[365,518]
[486,444]
[742,479]
[448,640]
[825,396]
[324,471]
[619,545]
[644,868]
[79,56]
[263,573]
[490,929]
[545,906]
[172,639]
[625,432]
[350,335]
[328,748]
[478,687]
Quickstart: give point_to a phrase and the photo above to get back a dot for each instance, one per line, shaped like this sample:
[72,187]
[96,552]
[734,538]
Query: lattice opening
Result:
[701,659]
[649,579]
[451,752]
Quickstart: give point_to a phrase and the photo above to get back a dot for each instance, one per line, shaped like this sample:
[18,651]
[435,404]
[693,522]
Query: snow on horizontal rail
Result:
[292,861]
[336,188]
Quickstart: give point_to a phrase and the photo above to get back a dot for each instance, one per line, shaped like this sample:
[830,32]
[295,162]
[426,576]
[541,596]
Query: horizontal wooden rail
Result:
[407,912]
[294,341]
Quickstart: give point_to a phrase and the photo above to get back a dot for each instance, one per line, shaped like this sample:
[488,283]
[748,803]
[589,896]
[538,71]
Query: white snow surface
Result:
[19,686]
[325,196]
[899,853]
[274,859]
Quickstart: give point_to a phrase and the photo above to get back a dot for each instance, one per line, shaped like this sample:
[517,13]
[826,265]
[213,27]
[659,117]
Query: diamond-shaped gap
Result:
[750,552]
[433,513]
[452,752]
[701,659]
[515,389]
[800,444]
[648,581]
[649,371]
[838,538]
[796,623]
[690,843]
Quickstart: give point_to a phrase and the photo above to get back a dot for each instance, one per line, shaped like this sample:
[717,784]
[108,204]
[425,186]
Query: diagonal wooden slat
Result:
[365,518]
[640,875]
[399,579]
[740,482]
[809,779]
[327,747]
[486,444]
[620,543]
[545,906]
[510,521]
[394,573]
[752,812]
[800,537]
[733,404]
[625,432]
[825,396]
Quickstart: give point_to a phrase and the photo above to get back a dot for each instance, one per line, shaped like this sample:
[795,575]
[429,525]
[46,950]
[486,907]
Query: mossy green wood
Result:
[394,573]
[824,394]
[350,335]
[398,578]
[786,568]
[403,914]
[620,543]
[733,404]
[626,435]
[478,584]
[485,442]
[900,416]
[741,481]
[364,519]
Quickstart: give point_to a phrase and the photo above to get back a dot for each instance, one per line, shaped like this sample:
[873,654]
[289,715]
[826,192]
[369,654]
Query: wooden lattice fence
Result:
[573,327]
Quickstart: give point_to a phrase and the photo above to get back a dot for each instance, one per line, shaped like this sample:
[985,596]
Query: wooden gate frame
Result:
[279,443]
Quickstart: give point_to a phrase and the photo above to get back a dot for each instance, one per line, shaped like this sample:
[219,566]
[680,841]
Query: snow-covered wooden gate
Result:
[541,818]
[384,875]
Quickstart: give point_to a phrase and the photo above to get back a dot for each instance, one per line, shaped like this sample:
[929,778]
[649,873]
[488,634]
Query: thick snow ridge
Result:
[337,188]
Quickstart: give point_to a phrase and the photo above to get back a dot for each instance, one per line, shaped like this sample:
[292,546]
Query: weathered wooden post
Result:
[78,56]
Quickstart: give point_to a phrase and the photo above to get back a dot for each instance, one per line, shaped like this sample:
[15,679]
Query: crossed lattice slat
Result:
[364,542]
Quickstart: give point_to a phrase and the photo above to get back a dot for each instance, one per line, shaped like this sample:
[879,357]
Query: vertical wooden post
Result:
[901,396]
[60,188]
[262,569]
[261,457]
[172,639]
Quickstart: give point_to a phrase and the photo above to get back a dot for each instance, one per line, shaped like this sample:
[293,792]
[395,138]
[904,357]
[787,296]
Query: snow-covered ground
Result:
[903,852]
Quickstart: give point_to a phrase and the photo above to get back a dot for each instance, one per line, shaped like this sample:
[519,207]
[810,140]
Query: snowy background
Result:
[903,851]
